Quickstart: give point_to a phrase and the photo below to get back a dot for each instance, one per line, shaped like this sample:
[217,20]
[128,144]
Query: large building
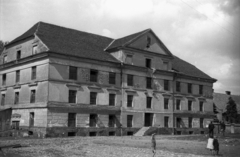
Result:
[63,82]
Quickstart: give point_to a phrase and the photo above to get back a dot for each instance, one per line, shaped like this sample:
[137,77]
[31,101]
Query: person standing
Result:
[215,145]
[210,144]
[210,129]
[223,127]
[153,142]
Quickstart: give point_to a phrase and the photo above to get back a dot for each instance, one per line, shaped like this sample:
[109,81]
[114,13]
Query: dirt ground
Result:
[127,146]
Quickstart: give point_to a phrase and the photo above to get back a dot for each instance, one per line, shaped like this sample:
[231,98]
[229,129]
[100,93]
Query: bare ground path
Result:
[167,146]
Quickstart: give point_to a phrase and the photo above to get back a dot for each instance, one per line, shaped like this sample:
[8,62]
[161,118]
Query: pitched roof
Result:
[124,40]
[70,42]
[188,69]
[220,100]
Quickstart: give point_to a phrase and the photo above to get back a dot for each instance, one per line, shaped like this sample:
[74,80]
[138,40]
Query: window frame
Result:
[148,102]
[111,121]
[112,99]
[190,105]
[17,80]
[4,79]
[3,99]
[93,75]
[200,89]
[190,120]
[201,106]
[130,80]
[166,121]
[73,72]
[178,86]
[166,103]
[72,119]
[112,78]
[148,62]
[93,98]
[129,121]
[148,82]
[34,73]
[72,96]
[16,98]
[129,100]
[18,55]
[166,85]
[189,88]
[33,96]
[178,104]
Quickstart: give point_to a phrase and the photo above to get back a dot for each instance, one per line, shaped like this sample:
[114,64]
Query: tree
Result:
[231,112]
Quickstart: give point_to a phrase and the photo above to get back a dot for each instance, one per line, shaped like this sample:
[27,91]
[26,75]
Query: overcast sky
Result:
[205,33]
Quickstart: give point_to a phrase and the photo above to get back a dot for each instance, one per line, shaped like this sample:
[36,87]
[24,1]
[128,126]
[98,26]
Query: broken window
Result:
[178,104]
[149,102]
[189,88]
[129,121]
[111,121]
[18,55]
[33,96]
[129,100]
[112,99]
[93,120]
[130,80]
[93,98]
[93,75]
[112,78]
[34,73]
[4,78]
[166,85]
[3,100]
[16,99]
[148,63]
[31,119]
[166,103]
[201,106]
[17,76]
[149,83]
[71,119]
[72,96]
[166,119]
[72,73]
[178,86]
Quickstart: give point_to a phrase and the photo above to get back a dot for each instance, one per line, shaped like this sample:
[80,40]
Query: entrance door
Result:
[148,119]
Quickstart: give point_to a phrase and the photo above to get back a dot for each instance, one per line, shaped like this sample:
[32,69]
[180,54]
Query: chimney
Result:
[228,92]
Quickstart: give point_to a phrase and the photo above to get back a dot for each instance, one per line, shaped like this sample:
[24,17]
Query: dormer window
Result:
[148,63]
[34,50]
[129,59]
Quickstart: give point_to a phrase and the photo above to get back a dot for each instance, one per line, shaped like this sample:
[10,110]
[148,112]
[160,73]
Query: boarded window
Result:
[31,119]
[166,85]
[18,55]
[149,102]
[129,59]
[149,83]
[166,103]
[71,119]
[112,99]
[111,121]
[93,98]
[166,119]
[34,73]
[93,120]
[130,80]
[178,86]
[16,99]
[112,78]
[33,96]
[3,100]
[201,106]
[72,96]
[129,121]
[148,63]
[72,73]
[93,75]
[178,104]
[4,78]
[189,88]
[129,100]
[189,105]
[17,76]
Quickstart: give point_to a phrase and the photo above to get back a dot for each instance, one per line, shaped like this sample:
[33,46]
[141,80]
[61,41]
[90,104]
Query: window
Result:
[112,99]
[129,121]
[130,80]
[178,104]
[129,100]
[166,103]
[201,122]
[111,121]
[112,78]
[165,65]
[5,59]
[17,76]
[166,85]
[72,96]
[201,106]
[178,86]
[31,119]
[72,73]
[179,120]
[93,75]
[148,63]
[93,120]
[16,99]
[189,105]
[71,119]
[149,102]
[189,88]
[129,59]
[189,122]
[166,119]
[149,83]
[93,98]
[33,96]
[200,89]
[34,49]
[18,55]
[3,100]
[34,73]
[15,125]
[4,78]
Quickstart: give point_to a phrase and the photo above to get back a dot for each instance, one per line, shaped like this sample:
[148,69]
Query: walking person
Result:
[210,144]
[153,142]
[215,145]
[211,129]
[223,127]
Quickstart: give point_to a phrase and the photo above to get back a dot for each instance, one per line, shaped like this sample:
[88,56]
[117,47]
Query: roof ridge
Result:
[141,33]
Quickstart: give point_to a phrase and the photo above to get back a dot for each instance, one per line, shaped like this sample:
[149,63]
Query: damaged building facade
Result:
[63,82]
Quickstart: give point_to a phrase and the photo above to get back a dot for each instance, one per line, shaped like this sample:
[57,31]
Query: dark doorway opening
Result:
[92,133]
[129,133]
[71,133]
[148,119]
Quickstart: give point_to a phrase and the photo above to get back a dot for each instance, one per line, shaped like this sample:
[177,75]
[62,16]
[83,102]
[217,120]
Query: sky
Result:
[204,33]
